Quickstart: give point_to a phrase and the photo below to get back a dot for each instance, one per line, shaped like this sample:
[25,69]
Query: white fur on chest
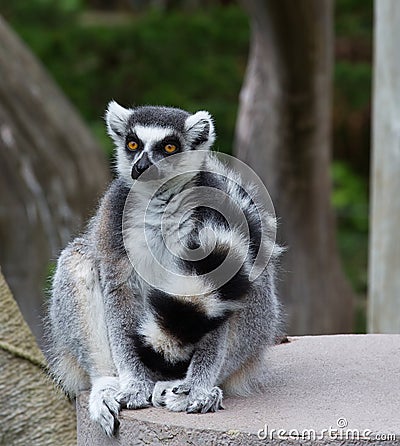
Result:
[153,231]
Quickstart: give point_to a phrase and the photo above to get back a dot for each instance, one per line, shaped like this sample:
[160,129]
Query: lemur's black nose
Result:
[140,166]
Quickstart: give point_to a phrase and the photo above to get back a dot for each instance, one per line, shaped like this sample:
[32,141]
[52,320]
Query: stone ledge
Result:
[314,382]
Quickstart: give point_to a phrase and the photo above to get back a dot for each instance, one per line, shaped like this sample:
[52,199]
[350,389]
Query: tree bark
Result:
[384,277]
[51,173]
[284,133]
[32,410]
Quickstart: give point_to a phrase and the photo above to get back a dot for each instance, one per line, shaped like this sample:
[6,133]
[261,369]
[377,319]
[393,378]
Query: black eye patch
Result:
[168,141]
[132,137]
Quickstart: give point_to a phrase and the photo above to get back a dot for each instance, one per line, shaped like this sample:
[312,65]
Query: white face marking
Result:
[137,158]
[150,135]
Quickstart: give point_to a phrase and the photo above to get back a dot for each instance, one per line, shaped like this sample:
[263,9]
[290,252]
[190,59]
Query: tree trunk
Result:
[51,172]
[384,289]
[32,411]
[284,133]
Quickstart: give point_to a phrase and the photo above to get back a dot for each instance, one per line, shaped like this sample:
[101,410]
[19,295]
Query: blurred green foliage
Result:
[350,199]
[196,60]
[36,13]
[353,83]
[191,61]
[354,18]
[352,129]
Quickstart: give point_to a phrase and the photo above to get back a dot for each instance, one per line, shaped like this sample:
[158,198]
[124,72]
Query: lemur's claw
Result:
[133,400]
[208,402]
[182,389]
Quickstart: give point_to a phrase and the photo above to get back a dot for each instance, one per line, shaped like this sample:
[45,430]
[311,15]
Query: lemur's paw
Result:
[177,402]
[103,407]
[203,402]
[158,397]
[136,396]
[182,397]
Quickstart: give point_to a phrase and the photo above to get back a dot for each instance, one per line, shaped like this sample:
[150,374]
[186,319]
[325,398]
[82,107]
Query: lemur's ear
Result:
[200,130]
[116,119]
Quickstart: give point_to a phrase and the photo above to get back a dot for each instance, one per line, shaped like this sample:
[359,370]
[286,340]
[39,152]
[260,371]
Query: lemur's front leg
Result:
[123,308]
[128,384]
[135,384]
[198,391]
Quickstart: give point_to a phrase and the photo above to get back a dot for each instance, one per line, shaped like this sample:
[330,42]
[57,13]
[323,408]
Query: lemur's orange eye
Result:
[132,145]
[170,148]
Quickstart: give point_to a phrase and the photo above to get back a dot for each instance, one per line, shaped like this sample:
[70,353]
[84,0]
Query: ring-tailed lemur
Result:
[138,323]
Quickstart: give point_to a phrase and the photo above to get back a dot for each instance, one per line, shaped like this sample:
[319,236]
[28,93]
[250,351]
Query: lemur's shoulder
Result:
[105,228]
[115,195]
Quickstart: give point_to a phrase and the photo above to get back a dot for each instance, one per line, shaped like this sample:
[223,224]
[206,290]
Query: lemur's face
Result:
[146,135]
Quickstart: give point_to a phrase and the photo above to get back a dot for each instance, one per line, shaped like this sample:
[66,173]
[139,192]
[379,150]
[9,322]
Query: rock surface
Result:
[346,383]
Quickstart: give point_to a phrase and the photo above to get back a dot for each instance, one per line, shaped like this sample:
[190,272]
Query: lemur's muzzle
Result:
[140,166]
